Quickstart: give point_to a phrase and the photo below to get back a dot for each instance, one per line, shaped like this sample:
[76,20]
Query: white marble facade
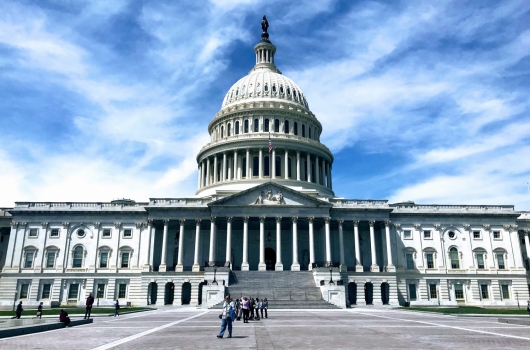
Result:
[264,206]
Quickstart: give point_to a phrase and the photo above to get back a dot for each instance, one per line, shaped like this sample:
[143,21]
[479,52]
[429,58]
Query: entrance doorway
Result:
[352,293]
[369,293]
[169,294]
[186,293]
[152,291]
[385,293]
[270,258]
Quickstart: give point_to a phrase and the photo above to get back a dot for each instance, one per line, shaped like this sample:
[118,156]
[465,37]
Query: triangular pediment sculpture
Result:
[270,194]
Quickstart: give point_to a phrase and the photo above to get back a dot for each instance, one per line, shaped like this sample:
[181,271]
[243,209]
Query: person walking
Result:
[265,307]
[256,307]
[39,311]
[245,306]
[226,319]
[63,317]
[88,304]
[528,307]
[116,308]
[18,311]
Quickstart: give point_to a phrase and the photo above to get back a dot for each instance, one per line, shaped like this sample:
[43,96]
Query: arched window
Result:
[281,89]
[266,88]
[237,92]
[231,93]
[274,88]
[258,88]
[266,166]
[277,125]
[286,127]
[278,166]
[77,260]
[288,91]
[266,125]
[295,128]
[237,128]
[228,130]
[244,167]
[222,131]
[243,90]
[256,125]
[255,166]
[453,255]
[294,92]
[246,126]
[303,130]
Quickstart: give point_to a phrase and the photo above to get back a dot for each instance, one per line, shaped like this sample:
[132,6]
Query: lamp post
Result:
[331,277]
[214,276]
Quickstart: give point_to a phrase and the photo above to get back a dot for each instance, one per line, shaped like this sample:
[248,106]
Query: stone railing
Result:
[69,205]
[358,203]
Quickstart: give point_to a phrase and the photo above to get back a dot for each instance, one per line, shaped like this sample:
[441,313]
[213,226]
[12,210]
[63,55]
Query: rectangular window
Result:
[505,291]
[427,234]
[459,292]
[100,292]
[407,234]
[430,260]
[50,259]
[28,262]
[433,291]
[54,232]
[103,259]
[124,260]
[476,234]
[46,289]
[500,260]
[412,291]
[127,232]
[33,232]
[24,291]
[410,261]
[496,234]
[484,291]
[106,232]
[122,290]
[73,291]
[480,260]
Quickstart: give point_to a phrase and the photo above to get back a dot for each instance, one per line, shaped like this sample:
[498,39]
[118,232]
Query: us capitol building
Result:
[264,205]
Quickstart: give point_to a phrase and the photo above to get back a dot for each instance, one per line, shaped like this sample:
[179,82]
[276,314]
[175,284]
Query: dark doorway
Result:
[152,291]
[270,258]
[352,293]
[200,291]
[186,293]
[169,294]
[369,293]
[385,293]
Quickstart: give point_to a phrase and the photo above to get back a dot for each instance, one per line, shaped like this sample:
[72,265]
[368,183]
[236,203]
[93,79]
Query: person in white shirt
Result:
[226,320]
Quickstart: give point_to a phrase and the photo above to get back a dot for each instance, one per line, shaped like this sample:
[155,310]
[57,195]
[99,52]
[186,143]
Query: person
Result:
[39,311]
[63,317]
[238,310]
[251,308]
[245,306]
[116,308]
[265,307]
[256,307]
[88,304]
[528,307]
[18,311]
[226,319]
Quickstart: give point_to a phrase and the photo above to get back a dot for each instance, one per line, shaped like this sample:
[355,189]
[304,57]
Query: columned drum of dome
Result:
[264,132]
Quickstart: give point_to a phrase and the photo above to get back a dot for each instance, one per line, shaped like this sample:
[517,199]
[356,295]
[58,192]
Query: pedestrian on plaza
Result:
[245,306]
[63,317]
[251,308]
[528,307]
[238,310]
[18,311]
[256,307]
[88,304]
[116,308]
[226,318]
[265,307]
[39,311]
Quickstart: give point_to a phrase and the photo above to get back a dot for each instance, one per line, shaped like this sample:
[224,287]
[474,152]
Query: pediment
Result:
[270,194]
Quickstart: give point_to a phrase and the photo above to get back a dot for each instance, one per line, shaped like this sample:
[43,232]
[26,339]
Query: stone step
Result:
[294,304]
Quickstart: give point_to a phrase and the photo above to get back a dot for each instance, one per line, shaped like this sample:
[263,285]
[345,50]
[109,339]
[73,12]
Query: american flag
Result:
[270,144]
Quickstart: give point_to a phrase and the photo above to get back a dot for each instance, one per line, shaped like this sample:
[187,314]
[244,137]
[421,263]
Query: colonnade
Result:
[295,266]
[293,164]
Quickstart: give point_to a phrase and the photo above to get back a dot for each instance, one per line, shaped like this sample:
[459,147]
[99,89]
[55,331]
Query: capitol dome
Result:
[264,132]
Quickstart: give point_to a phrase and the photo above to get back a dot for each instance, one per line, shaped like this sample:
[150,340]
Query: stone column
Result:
[151,228]
[343,266]
[215,169]
[286,165]
[223,176]
[328,184]
[262,266]
[200,175]
[526,243]
[279,264]
[389,267]
[323,172]
[273,163]
[330,178]
[374,267]
[311,242]
[317,171]
[212,252]
[180,267]
[298,165]
[228,242]
[247,166]
[308,168]
[296,265]
[207,171]
[328,240]
[260,163]
[236,175]
[244,264]
[358,266]
[196,265]
[163,265]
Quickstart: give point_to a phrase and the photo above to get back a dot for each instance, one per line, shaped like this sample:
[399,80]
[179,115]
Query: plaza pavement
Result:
[361,328]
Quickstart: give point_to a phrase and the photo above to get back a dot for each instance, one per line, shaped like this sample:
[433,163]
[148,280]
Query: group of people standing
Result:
[248,308]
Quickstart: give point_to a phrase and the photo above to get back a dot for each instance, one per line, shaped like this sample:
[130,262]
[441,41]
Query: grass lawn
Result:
[470,310]
[74,310]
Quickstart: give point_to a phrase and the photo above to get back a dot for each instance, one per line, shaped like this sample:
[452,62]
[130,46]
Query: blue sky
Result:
[424,101]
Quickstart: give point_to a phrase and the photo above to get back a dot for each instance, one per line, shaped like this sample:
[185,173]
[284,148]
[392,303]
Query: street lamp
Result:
[214,282]
[331,277]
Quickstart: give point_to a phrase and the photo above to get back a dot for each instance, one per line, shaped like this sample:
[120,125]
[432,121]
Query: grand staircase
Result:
[283,289]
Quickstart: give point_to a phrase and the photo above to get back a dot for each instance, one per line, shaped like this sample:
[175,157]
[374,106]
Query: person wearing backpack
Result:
[227,316]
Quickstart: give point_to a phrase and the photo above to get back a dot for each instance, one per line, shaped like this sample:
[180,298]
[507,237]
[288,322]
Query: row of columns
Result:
[264,56]
[295,266]
[322,168]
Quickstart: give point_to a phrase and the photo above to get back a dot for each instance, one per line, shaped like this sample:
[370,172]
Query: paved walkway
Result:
[189,328]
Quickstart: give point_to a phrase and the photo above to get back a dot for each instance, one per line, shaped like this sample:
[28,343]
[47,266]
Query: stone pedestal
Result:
[179,268]
[359,268]
[295,267]
[390,268]
[334,294]
[162,268]
[278,267]
[245,267]
[374,268]
[196,268]
[262,267]
[212,295]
